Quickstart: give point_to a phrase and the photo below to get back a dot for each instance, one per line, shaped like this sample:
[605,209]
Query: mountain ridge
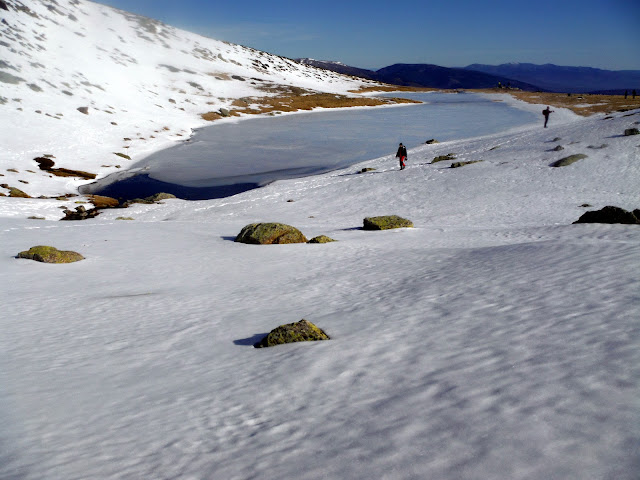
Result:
[524,76]
[565,79]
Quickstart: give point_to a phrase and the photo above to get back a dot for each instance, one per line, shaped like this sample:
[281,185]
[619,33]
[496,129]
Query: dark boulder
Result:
[610,214]
[45,163]
[81,213]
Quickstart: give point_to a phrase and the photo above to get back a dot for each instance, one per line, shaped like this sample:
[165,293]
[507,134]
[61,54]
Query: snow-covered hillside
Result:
[142,84]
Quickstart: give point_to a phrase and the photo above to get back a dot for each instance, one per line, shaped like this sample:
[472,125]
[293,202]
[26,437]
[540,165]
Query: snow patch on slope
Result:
[143,85]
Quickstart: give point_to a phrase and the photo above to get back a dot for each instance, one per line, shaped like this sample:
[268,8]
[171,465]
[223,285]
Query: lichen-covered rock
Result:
[160,196]
[321,239]
[17,193]
[366,169]
[563,162]
[431,142]
[386,222]
[610,214]
[270,233]
[46,254]
[302,331]
[442,158]
[133,201]
[631,131]
[156,197]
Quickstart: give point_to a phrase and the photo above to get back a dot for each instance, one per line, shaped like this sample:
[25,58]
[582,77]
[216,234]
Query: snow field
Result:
[494,340]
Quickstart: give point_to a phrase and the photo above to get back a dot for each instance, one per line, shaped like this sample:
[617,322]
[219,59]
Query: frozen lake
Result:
[228,158]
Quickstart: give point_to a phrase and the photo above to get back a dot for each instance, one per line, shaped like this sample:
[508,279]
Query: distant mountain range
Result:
[565,79]
[525,76]
[422,75]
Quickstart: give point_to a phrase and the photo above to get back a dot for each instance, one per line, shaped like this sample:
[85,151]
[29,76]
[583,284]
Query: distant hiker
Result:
[546,113]
[402,155]
[633,94]
[626,94]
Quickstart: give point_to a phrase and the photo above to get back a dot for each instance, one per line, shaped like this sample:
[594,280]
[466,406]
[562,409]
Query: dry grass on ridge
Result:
[291,99]
[581,104]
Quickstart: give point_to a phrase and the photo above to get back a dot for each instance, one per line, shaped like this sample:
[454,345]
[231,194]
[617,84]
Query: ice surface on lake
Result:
[265,149]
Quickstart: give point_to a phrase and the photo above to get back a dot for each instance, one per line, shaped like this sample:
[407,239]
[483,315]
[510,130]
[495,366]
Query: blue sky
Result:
[376,33]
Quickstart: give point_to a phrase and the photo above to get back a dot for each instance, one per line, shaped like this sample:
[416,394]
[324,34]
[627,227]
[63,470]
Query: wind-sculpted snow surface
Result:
[494,340]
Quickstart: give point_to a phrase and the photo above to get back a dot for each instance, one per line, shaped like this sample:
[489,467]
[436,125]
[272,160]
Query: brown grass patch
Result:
[581,104]
[292,99]
[66,172]
[220,76]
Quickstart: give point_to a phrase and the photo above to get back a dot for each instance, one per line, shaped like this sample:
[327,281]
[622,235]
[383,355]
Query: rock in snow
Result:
[270,234]
[386,222]
[46,254]
[302,331]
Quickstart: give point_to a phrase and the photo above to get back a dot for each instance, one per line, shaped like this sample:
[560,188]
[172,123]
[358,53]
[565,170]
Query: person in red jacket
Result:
[402,155]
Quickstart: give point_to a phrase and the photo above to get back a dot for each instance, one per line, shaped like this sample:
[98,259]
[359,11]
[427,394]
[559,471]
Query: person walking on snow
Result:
[546,113]
[402,155]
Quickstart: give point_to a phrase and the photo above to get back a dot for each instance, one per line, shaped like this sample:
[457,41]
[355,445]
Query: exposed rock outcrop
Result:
[442,158]
[270,234]
[46,164]
[155,198]
[386,222]
[302,331]
[46,254]
[610,214]
[17,193]
[462,164]
[81,213]
[321,239]
[563,162]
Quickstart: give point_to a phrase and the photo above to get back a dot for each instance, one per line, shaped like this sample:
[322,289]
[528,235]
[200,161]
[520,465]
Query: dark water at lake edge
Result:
[226,159]
[142,186]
